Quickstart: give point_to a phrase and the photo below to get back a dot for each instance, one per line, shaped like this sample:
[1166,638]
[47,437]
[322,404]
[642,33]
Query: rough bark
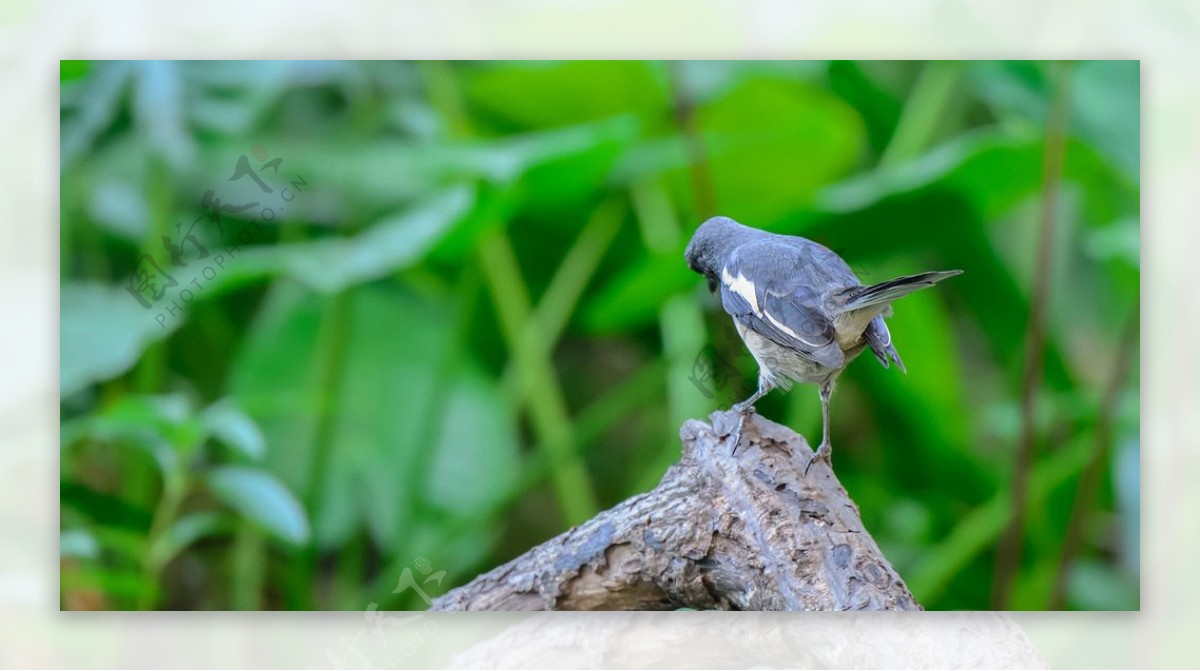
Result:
[749,532]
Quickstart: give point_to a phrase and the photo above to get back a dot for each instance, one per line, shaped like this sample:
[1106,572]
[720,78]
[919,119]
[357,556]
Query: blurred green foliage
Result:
[466,323]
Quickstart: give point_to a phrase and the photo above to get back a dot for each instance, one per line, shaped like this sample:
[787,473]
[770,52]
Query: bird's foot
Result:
[741,424]
[742,409]
[824,453]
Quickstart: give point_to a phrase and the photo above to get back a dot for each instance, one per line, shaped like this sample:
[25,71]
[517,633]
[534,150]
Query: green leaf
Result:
[564,183]
[161,411]
[104,331]
[261,498]
[580,155]
[187,530]
[332,264]
[356,179]
[772,143]
[880,108]
[476,443]
[531,94]
[360,453]
[129,545]
[493,208]
[705,80]
[117,204]
[983,152]
[229,424]
[163,425]
[634,296]
[994,171]
[391,345]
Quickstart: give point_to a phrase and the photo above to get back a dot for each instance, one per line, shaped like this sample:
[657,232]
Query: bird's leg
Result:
[825,451]
[746,407]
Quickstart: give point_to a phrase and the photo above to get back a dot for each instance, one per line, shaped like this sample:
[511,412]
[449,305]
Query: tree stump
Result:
[744,532]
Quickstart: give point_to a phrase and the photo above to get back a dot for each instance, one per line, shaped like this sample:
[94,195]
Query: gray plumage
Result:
[799,308]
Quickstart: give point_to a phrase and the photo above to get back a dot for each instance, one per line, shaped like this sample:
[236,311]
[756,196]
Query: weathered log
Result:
[744,532]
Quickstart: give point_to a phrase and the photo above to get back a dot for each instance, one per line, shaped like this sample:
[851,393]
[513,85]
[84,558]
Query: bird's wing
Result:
[765,287]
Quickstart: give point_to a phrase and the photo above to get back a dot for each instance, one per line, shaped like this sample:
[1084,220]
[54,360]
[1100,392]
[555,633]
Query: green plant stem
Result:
[540,387]
[923,112]
[1008,556]
[576,270]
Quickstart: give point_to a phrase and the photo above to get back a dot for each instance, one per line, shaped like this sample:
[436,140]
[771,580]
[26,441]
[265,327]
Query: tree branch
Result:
[718,532]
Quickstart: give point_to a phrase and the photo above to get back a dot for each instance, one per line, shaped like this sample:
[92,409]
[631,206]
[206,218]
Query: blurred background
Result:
[344,335]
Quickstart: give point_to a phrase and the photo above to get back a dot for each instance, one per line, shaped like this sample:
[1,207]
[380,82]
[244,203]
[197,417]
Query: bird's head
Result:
[711,245]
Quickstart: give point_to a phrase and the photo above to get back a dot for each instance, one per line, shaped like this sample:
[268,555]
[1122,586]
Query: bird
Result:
[799,308]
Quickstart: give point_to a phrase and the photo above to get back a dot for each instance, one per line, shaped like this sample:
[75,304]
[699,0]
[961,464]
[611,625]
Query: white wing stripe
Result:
[742,287]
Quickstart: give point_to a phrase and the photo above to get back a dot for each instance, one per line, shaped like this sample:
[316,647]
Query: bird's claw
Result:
[823,453]
[737,432]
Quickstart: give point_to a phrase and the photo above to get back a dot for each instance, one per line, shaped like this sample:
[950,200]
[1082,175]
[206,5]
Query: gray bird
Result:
[798,307]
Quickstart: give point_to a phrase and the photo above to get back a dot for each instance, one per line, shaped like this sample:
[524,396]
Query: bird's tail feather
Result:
[886,292]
